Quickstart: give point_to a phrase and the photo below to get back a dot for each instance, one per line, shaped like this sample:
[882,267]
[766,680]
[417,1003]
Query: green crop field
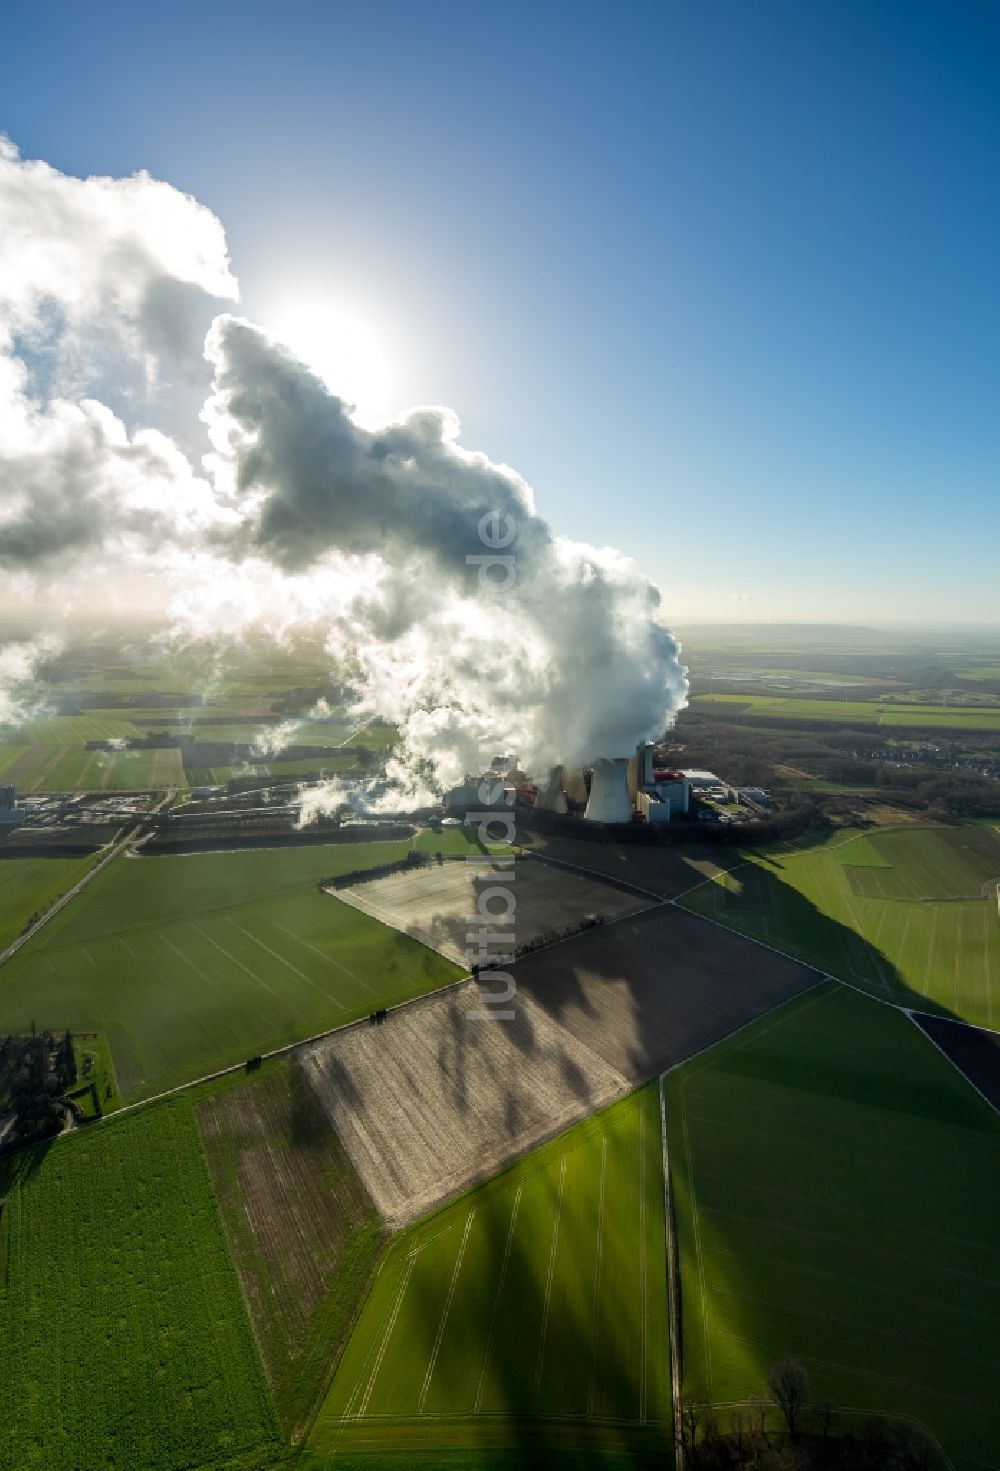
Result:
[51,768]
[188,964]
[910,914]
[837,1194]
[530,1313]
[28,885]
[73,730]
[788,709]
[124,1339]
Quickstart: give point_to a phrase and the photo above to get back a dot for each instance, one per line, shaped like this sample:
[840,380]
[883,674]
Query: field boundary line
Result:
[742,1027]
[548,1280]
[960,1070]
[826,976]
[460,1257]
[673,1287]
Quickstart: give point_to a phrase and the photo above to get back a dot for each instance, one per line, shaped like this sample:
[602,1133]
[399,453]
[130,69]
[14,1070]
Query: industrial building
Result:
[8,804]
[616,789]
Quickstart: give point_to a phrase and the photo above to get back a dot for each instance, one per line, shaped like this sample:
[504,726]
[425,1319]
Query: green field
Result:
[837,1194]
[125,1342]
[51,768]
[28,885]
[73,730]
[910,914]
[531,1313]
[788,709]
[188,964]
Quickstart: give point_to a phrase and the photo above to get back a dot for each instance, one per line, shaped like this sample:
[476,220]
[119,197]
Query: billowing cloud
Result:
[453,606]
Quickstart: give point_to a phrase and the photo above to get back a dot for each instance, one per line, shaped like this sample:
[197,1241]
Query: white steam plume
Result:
[299,518]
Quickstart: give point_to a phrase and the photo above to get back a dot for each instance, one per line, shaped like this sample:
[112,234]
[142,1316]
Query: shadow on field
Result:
[766,904]
[641,995]
[17,1167]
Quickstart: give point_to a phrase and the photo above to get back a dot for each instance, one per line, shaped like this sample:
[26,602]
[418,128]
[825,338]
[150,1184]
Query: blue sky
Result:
[721,279]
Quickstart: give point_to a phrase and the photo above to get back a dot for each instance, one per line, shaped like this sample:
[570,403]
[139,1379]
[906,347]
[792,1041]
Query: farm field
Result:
[301,1228]
[647,992]
[191,963]
[434,904]
[529,1314]
[909,914]
[441,1096]
[30,884]
[835,1185]
[124,1342]
[790,708]
[75,730]
[52,768]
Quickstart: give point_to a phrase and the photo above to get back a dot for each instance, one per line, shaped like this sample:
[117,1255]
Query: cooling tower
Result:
[575,787]
[551,797]
[609,794]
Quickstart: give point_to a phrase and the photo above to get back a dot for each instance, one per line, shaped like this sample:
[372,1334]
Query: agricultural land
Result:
[835,1185]
[301,1228]
[910,915]
[125,1341]
[190,964]
[531,1314]
[29,886]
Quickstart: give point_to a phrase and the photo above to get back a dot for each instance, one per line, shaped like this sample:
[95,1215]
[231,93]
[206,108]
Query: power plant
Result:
[614,790]
[610,800]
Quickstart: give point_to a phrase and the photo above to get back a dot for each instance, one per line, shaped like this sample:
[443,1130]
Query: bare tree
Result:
[789,1385]
[690,1425]
[826,1417]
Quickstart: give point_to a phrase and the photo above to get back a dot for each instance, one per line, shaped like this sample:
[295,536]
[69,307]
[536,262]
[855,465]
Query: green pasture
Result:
[988,672]
[28,885]
[837,1199]
[71,730]
[791,708]
[529,1314]
[125,1342]
[910,914]
[191,963]
[50,768]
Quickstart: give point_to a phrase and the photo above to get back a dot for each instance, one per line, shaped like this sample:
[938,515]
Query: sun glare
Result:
[342,349]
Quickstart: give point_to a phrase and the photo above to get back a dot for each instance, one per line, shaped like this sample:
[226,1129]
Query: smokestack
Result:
[609,795]
[551,797]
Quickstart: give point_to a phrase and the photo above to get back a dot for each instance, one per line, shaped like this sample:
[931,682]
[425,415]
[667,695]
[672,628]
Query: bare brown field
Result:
[648,992]
[168,768]
[302,1229]
[435,904]
[434,1101]
[661,869]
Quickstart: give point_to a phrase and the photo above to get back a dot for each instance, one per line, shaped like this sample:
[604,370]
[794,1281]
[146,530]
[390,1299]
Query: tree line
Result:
[789,1431]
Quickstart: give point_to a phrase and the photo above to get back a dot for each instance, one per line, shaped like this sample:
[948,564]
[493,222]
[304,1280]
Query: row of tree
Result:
[813,1435]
